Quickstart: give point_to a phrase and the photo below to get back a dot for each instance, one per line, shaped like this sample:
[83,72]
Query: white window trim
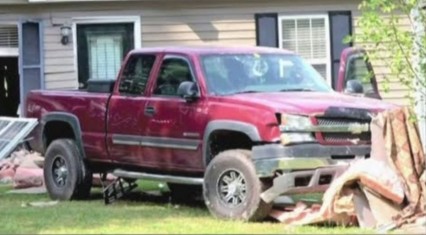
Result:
[327,37]
[9,52]
[137,31]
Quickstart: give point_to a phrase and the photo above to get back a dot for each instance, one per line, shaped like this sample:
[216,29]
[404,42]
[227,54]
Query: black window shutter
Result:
[340,27]
[267,29]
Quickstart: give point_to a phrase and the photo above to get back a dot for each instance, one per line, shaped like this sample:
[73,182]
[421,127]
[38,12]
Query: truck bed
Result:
[90,109]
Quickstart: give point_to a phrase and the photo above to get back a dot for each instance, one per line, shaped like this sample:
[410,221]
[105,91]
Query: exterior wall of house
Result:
[173,23]
[397,92]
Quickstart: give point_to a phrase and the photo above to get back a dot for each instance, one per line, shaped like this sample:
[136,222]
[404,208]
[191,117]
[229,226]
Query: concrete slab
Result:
[34,190]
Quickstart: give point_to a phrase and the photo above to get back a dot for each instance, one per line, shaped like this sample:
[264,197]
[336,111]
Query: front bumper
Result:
[305,168]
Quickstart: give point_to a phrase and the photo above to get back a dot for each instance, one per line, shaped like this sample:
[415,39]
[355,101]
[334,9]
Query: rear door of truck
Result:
[126,115]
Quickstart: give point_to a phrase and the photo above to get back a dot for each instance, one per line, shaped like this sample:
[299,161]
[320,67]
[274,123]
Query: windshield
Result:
[228,74]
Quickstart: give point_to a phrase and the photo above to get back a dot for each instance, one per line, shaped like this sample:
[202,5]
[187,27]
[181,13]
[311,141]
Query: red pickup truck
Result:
[245,124]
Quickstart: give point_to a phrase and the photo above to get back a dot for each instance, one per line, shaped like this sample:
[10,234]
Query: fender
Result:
[246,128]
[68,118]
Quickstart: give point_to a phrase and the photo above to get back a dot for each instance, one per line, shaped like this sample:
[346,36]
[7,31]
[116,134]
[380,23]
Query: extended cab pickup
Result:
[245,124]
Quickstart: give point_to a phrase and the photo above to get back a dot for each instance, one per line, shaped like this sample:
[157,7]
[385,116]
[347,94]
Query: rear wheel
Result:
[232,189]
[66,175]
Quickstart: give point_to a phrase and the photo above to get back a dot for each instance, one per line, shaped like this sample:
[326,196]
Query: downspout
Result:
[419,63]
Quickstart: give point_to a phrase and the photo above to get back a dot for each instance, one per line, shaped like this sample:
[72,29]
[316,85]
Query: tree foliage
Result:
[389,30]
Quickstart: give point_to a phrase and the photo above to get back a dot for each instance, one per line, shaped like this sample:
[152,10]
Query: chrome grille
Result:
[328,121]
[347,137]
[343,137]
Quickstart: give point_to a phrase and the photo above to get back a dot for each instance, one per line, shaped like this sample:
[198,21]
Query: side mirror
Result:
[188,91]
[354,87]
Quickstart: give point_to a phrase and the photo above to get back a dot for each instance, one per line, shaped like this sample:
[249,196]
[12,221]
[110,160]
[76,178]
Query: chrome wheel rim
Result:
[59,171]
[232,188]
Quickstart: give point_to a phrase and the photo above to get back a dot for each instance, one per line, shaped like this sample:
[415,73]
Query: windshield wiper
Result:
[296,89]
[246,91]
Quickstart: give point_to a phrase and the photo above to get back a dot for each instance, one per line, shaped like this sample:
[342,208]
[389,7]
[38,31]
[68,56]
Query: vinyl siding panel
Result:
[60,69]
[60,85]
[397,92]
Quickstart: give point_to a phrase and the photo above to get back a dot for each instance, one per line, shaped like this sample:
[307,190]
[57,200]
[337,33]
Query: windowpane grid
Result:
[321,68]
[8,36]
[307,36]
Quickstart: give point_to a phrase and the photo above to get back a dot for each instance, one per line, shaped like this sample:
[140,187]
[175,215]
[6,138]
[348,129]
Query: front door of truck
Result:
[173,136]
[356,74]
[126,117]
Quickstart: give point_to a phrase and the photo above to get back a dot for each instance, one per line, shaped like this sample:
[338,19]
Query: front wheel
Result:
[232,189]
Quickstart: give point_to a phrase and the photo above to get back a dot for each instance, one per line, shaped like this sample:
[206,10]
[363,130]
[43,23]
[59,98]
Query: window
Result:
[8,36]
[136,74]
[228,74]
[105,54]
[173,72]
[358,69]
[308,36]
[101,49]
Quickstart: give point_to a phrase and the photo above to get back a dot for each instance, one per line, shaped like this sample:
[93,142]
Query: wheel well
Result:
[57,129]
[222,140]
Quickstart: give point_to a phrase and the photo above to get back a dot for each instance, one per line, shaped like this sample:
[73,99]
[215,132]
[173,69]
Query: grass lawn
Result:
[139,213]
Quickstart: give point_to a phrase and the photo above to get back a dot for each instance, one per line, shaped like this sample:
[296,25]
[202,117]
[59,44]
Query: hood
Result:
[308,102]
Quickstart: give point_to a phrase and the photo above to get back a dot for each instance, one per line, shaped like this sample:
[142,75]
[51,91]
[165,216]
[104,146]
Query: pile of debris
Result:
[23,169]
[385,192]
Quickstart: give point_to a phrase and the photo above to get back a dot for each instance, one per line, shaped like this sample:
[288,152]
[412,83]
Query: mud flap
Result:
[116,189]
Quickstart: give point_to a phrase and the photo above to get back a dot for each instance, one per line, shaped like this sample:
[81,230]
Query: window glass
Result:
[105,55]
[136,74]
[228,74]
[357,69]
[307,36]
[9,36]
[173,72]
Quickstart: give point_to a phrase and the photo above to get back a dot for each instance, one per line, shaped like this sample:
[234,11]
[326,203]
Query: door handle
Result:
[149,111]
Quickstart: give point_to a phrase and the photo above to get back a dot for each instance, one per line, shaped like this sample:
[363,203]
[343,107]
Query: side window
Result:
[357,69]
[136,73]
[173,72]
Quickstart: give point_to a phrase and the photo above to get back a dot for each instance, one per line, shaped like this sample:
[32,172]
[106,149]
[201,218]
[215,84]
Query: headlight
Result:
[293,129]
[294,123]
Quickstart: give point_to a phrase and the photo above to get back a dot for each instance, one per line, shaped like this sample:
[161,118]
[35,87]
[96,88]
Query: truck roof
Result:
[211,49]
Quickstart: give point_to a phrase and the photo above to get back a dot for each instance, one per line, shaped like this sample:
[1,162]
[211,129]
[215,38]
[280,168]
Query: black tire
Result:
[66,175]
[251,207]
[183,193]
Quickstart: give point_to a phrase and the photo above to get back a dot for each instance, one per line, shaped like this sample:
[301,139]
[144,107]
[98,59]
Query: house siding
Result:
[397,93]
[60,68]
[178,23]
